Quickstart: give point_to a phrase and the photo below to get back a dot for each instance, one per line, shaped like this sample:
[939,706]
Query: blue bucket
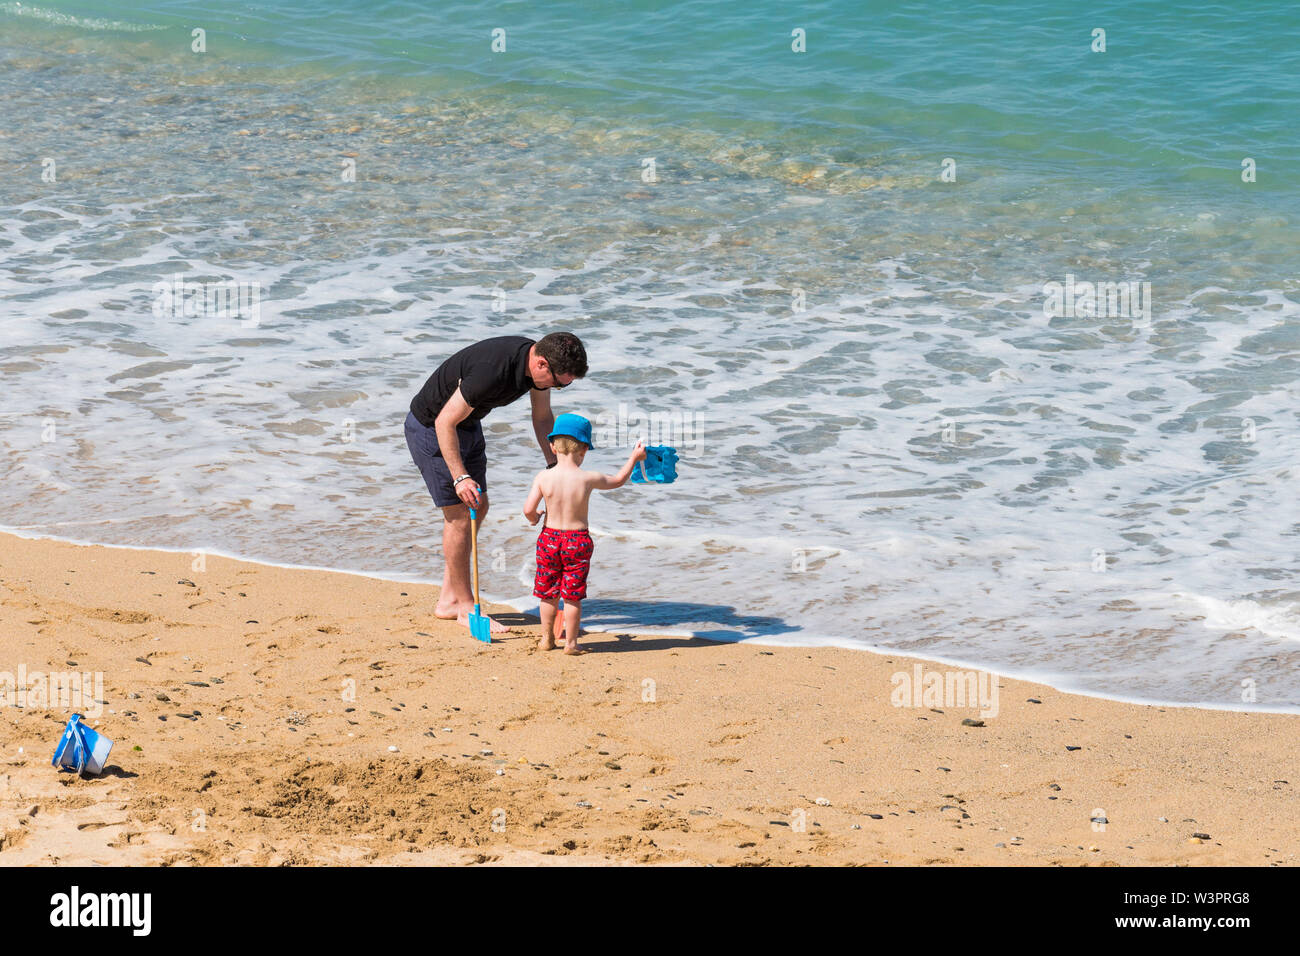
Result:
[82,749]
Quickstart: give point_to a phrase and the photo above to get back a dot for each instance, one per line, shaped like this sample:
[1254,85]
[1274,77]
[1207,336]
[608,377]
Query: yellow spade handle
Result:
[473,538]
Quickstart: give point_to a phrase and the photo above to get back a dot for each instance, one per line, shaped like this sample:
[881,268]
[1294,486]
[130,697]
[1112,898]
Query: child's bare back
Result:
[567,489]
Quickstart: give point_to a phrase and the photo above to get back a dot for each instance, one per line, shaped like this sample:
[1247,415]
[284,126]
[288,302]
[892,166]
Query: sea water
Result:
[824,252]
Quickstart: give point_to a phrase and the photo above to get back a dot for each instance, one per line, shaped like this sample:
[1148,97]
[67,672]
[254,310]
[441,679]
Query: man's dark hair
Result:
[564,354]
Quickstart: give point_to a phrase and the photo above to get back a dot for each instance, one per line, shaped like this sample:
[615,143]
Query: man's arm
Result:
[543,421]
[453,413]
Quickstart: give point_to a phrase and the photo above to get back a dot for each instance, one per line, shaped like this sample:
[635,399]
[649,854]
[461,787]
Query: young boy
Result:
[564,546]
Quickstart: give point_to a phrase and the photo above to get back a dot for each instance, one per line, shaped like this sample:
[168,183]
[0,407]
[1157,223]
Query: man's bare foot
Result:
[451,611]
[496,628]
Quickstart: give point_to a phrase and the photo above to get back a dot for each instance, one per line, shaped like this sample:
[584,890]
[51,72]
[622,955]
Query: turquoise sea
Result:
[821,273]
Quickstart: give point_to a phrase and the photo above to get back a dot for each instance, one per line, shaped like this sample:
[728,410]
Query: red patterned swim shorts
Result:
[563,560]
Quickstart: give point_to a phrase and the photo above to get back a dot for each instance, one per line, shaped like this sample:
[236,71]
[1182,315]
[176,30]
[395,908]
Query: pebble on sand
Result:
[392,749]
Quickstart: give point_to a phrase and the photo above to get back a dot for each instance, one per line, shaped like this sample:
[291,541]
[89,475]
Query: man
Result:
[444,433]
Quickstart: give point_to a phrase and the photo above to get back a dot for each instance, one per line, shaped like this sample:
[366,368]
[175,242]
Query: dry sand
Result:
[506,754]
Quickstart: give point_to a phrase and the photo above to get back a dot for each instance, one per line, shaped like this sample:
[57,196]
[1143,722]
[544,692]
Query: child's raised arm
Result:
[534,499]
[609,482]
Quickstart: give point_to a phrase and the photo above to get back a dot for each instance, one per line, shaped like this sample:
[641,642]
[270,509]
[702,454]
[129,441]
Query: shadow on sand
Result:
[710,622]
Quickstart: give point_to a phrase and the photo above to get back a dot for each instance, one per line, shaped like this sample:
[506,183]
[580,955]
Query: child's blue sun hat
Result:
[575,426]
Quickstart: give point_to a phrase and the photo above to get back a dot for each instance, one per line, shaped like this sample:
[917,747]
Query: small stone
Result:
[584,804]
[822,802]
[1200,836]
[972,723]
[1195,840]
[1068,747]
[500,773]
[612,766]
[1098,820]
[1163,819]
[1054,786]
[486,753]
[392,749]
[999,845]
[875,816]
[1033,700]
[162,697]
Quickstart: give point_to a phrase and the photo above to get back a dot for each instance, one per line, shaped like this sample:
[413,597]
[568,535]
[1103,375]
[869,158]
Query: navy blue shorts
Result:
[423,444]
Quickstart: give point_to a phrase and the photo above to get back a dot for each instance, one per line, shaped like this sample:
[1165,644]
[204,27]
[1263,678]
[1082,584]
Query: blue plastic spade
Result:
[480,625]
[659,467]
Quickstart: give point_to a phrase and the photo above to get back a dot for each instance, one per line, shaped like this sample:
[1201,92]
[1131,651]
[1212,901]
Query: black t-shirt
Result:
[490,374]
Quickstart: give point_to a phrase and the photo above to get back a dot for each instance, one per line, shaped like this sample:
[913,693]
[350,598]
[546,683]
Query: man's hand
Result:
[468,492]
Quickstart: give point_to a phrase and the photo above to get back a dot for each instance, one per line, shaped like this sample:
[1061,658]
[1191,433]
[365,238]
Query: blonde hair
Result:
[566,445]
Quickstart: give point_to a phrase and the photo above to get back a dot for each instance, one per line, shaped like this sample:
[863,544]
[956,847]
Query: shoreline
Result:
[1023,677]
[264,702]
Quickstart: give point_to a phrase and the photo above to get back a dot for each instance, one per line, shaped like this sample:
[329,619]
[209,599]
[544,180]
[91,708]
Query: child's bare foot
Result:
[547,643]
[574,649]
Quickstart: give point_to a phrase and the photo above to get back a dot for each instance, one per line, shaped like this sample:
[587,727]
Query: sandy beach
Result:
[256,710]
